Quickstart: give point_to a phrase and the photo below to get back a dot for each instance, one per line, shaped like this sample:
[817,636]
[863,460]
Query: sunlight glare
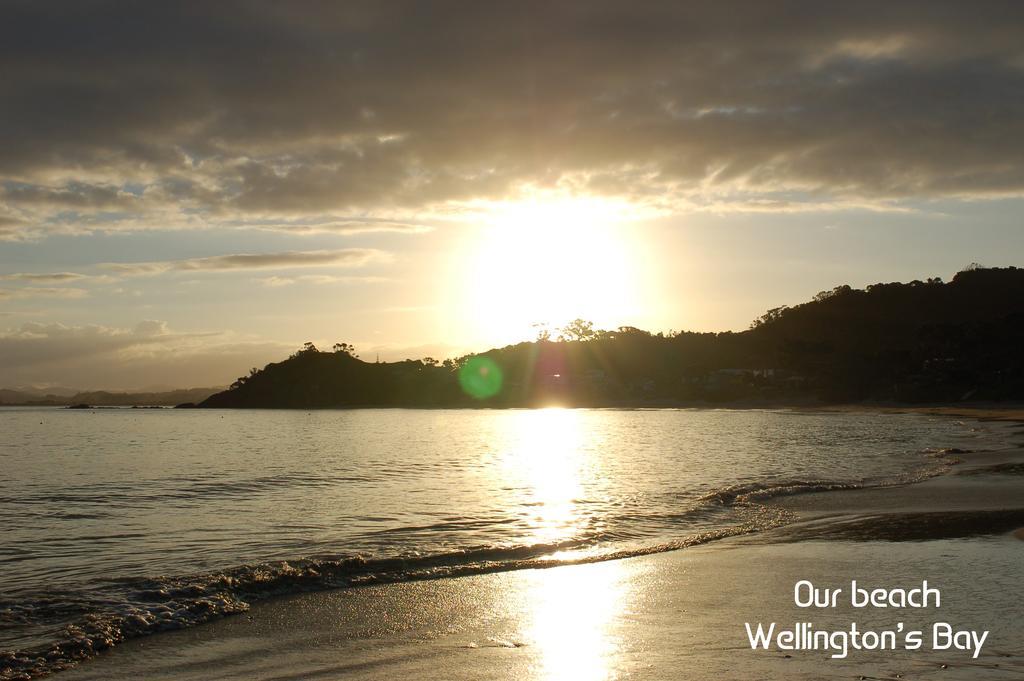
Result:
[547,459]
[574,620]
[549,261]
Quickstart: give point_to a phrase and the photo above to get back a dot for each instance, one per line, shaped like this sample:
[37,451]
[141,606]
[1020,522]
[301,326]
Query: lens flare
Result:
[481,377]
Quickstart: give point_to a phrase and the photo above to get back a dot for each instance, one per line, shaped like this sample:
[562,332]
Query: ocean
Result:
[116,523]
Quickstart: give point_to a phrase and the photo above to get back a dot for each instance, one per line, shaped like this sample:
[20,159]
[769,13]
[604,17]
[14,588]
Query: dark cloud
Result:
[11,229]
[71,195]
[348,257]
[191,111]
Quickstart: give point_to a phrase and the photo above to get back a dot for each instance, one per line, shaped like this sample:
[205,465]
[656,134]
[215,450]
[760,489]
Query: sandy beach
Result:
[673,615]
[679,614]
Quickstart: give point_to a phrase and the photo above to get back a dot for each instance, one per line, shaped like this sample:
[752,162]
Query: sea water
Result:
[124,522]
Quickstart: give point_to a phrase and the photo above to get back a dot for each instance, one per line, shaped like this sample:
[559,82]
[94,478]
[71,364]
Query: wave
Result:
[178,490]
[147,606]
[766,490]
[761,491]
[82,626]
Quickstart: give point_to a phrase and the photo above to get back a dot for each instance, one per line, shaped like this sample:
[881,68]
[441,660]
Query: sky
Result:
[191,189]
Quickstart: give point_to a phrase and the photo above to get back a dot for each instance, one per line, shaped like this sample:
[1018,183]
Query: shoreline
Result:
[1010,411]
[981,411]
[981,498]
[642,617]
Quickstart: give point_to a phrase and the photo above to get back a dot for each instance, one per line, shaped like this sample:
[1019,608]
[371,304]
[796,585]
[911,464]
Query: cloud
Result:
[151,328]
[12,229]
[43,277]
[38,343]
[41,292]
[319,279]
[281,112]
[149,353]
[71,195]
[345,227]
[349,257]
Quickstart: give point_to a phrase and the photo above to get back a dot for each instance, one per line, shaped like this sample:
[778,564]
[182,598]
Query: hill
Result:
[913,342]
[102,398]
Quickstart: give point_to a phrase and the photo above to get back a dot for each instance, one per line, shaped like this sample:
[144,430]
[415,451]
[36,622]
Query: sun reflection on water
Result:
[574,618]
[547,459]
[571,615]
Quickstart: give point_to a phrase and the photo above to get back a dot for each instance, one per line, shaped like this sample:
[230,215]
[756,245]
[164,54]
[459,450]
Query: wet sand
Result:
[666,616]
[669,616]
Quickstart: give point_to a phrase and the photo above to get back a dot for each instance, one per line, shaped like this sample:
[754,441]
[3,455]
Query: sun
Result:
[547,261]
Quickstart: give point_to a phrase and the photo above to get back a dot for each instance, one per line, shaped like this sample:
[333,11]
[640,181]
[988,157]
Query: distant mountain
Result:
[58,390]
[108,399]
[919,341]
[8,396]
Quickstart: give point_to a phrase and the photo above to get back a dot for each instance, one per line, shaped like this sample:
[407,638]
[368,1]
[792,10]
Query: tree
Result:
[345,348]
[625,332]
[578,330]
[543,331]
[242,380]
[837,291]
[771,315]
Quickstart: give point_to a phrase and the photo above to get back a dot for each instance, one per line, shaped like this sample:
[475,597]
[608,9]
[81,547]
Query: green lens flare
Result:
[481,377]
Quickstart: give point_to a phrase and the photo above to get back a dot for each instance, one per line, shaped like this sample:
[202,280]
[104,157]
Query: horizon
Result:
[433,184]
[542,333]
